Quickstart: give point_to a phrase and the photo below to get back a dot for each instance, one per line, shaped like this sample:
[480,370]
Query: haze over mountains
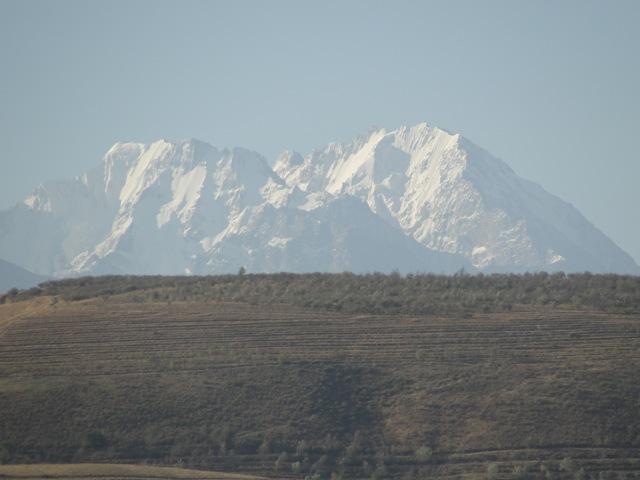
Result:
[14,276]
[412,199]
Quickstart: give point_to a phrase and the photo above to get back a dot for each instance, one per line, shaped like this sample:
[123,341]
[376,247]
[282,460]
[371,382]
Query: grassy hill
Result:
[505,376]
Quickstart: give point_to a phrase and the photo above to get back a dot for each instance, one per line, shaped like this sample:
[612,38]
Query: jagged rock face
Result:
[413,199]
[176,204]
[451,196]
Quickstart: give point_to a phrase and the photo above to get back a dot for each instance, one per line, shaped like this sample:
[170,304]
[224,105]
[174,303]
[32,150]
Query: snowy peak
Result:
[246,172]
[116,164]
[452,196]
[187,192]
[417,198]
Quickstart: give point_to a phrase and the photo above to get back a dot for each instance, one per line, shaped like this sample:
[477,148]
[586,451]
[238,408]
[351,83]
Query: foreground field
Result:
[111,470]
[538,391]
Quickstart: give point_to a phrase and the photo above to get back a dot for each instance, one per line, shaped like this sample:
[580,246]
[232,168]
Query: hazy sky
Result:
[550,87]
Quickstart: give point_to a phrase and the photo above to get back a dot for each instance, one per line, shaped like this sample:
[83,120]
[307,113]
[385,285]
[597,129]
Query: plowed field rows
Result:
[519,390]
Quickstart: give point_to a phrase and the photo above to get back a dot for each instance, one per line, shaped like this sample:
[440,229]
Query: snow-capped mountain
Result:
[412,199]
[452,196]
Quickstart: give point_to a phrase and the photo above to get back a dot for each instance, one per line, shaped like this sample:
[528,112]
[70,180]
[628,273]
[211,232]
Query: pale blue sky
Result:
[549,86]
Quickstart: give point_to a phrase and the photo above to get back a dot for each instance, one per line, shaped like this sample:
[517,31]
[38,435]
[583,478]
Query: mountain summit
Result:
[412,199]
[452,196]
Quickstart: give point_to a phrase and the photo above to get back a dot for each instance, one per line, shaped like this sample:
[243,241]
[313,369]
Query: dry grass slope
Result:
[111,470]
[538,391]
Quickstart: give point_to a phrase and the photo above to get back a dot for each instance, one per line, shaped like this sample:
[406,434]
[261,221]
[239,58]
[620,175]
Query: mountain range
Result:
[414,199]
[13,276]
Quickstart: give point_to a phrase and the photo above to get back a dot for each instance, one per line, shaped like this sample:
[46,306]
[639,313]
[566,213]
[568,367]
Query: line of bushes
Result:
[370,293]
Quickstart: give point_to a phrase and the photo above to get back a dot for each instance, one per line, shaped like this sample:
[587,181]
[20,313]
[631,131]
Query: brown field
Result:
[537,392]
[111,471]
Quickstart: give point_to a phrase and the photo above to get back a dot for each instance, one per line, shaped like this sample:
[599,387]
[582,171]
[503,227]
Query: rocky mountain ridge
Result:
[412,199]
